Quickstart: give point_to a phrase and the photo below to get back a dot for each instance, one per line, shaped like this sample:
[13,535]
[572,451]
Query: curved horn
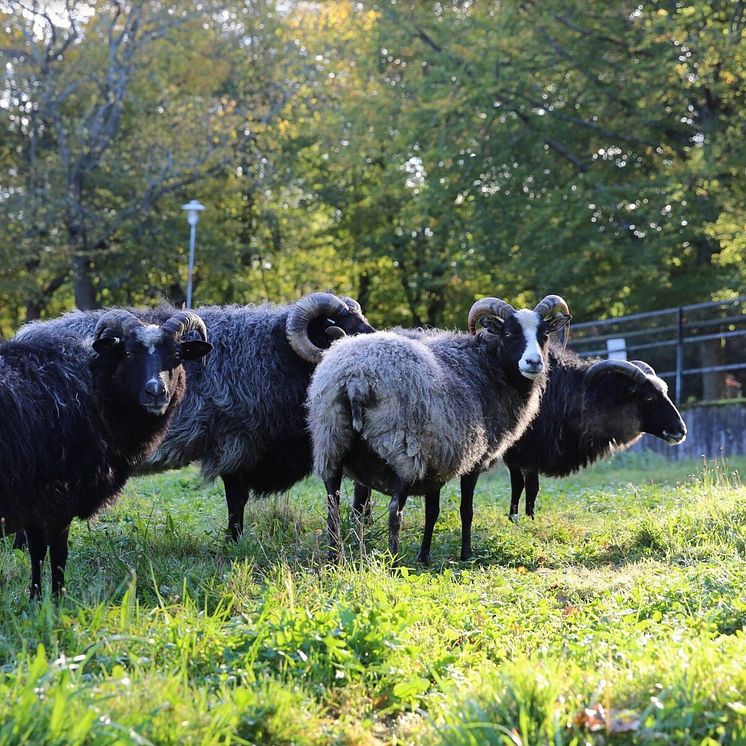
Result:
[304,311]
[116,323]
[619,366]
[488,307]
[351,303]
[550,305]
[644,367]
[185,321]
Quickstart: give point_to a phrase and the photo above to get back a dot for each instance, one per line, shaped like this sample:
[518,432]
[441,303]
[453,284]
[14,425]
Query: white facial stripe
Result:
[161,377]
[529,321]
[149,335]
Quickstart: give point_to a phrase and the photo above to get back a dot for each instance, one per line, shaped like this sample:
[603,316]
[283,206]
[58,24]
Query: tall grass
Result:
[618,615]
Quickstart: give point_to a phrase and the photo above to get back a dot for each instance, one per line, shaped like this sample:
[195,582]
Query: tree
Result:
[518,148]
[94,99]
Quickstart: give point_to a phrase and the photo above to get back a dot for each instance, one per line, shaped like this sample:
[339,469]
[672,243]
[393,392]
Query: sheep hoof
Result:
[514,517]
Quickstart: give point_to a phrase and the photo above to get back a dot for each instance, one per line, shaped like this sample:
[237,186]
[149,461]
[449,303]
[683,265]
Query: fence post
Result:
[679,353]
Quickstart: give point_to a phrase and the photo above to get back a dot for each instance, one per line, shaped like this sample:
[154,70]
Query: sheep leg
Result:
[517,483]
[532,490]
[361,507]
[20,541]
[58,558]
[333,521]
[468,483]
[396,506]
[236,495]
[37,547]
[432,511]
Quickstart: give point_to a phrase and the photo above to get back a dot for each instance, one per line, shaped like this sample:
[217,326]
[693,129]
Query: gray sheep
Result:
[403,414]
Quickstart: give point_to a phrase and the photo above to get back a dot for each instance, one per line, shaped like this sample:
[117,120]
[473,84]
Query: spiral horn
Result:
[185,321]
[488,307]
[304,311]
[116,323]
[618,366]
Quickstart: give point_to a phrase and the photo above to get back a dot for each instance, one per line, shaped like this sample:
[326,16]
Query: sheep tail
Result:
[359,396]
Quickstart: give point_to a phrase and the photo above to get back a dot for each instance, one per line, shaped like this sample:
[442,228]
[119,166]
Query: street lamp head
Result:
[193,209]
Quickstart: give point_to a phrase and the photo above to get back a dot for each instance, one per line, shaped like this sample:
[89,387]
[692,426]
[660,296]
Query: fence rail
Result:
[699,349]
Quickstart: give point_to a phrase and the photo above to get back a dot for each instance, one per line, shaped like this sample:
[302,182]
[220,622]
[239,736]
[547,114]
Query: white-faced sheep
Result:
[403,414]
[79,419]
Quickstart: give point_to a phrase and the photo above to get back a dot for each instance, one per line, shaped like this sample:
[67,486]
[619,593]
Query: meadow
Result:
[617,616]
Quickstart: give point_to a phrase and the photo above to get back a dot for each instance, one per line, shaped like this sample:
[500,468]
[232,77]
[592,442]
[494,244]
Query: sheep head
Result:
[523,333]
[142,364]
[632,398]
[316,320]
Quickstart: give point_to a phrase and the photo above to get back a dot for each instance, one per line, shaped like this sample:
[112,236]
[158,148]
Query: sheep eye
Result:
[128,354]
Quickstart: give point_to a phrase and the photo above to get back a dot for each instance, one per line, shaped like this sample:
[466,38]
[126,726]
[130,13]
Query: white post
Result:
[193,209]
[616,348]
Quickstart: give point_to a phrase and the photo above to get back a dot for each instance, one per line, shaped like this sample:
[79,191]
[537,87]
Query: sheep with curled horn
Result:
[79,416]
[590,409]
[405,412]
[243,415]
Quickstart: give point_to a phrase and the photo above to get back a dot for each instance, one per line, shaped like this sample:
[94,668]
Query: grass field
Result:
[618,616]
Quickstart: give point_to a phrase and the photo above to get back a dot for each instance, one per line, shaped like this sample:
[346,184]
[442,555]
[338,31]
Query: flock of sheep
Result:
[93,397]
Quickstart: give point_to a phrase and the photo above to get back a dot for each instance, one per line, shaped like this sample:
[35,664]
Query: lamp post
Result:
[193,209]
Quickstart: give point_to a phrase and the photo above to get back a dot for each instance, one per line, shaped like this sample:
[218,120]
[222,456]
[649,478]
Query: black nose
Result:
[675,434]
[534,364]
[155,388]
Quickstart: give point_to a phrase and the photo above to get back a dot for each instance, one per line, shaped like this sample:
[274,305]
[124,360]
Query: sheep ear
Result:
[194,349]
[105,344]
[334,332]
[558,321]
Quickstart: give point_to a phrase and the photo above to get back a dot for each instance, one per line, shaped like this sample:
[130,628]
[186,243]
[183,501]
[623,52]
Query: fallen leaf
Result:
[596,718]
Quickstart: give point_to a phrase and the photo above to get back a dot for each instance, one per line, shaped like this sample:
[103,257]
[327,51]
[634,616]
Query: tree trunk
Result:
[363,290]
[713,382]
[83,288]
[33,311]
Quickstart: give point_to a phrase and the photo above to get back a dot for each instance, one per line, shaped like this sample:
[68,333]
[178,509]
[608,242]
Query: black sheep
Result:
[243,416]
[589,410]
[78,419]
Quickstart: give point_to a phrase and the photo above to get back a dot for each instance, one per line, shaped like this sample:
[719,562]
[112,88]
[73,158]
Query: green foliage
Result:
[416,155]
[618,615]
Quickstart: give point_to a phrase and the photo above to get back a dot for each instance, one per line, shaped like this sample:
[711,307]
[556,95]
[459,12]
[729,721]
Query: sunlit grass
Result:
[618,614]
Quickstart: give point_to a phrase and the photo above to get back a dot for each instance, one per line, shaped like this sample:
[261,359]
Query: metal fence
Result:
[700,350]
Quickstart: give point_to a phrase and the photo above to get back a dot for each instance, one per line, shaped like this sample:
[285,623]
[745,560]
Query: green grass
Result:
[617,616]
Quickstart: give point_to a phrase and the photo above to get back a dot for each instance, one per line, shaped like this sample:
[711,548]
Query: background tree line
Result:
[413,154]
